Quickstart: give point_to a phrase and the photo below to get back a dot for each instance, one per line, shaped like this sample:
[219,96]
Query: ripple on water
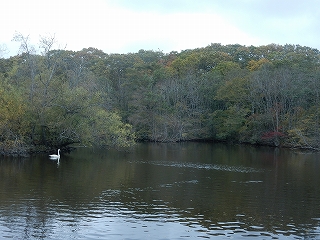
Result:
[205,166]
[158,214]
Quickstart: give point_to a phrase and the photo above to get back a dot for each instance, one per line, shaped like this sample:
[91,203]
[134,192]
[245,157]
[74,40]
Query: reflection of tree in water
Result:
[271,201]
[170,184]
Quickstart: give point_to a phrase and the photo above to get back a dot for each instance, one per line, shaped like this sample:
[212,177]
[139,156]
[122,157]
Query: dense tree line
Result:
[258,95]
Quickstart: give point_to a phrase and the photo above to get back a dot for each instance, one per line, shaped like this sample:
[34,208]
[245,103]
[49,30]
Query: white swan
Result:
[55,156]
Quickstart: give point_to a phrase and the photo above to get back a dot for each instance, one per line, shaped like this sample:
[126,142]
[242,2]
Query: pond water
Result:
[162,191]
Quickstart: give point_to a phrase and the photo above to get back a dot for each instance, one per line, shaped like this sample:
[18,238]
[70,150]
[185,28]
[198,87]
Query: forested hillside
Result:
[258,95]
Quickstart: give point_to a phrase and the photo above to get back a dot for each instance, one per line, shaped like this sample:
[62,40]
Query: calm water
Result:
[163,191]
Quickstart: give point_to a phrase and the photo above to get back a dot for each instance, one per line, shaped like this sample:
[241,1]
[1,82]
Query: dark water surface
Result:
[163,191]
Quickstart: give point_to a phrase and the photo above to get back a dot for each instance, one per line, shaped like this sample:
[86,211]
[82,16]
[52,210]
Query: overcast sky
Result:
[122,26]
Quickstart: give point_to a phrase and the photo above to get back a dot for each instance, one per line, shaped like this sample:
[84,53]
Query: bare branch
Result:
[46,43]
[25,46]
[3,50]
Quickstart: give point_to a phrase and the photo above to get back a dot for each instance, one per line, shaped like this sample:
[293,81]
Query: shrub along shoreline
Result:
[266,95]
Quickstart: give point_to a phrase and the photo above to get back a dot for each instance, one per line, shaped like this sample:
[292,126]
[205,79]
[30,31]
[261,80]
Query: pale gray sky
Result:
[121,26]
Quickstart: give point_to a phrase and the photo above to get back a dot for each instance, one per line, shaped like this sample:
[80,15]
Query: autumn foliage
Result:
[60,98]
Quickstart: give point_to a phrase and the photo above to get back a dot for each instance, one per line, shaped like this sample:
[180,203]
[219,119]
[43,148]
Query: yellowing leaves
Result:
[12,122]
[12,107]
[254,65]
[109,130]
[235,91]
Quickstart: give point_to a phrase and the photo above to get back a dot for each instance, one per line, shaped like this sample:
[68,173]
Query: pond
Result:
[162,191]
